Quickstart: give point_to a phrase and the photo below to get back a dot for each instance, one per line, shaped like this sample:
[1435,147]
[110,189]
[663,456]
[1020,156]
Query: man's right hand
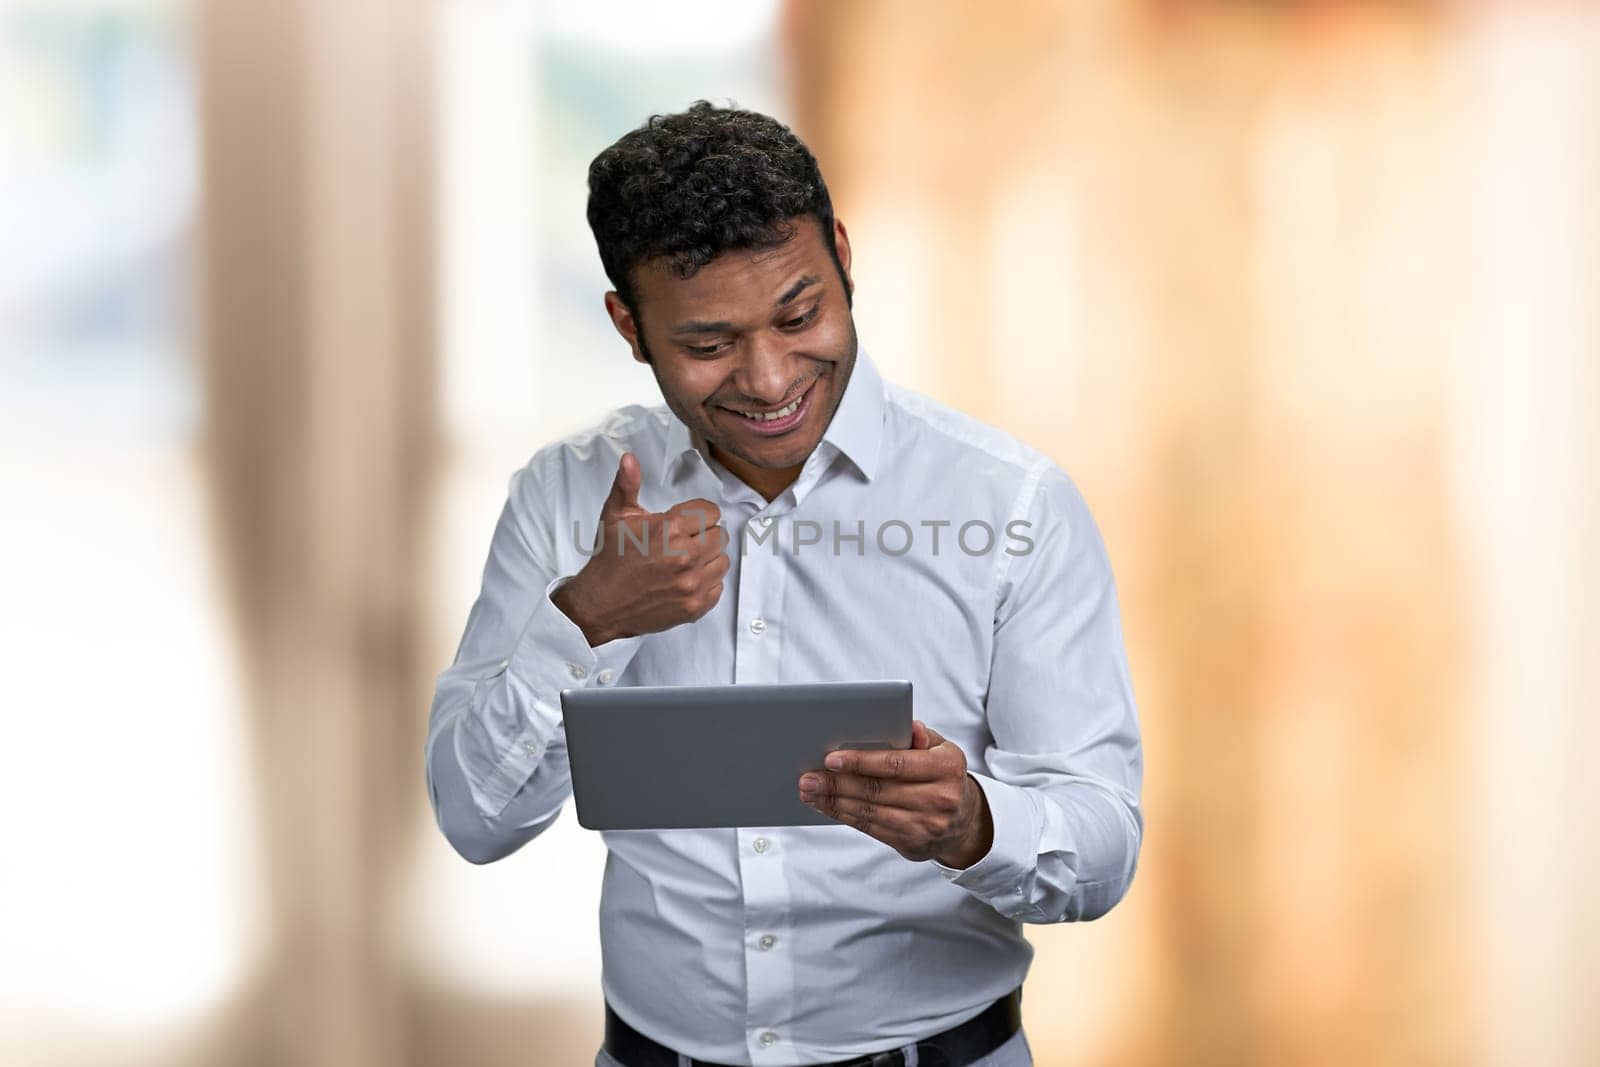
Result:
[624,591]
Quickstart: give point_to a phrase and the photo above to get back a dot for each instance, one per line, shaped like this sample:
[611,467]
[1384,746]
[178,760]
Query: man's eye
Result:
[803,320]
[707,350]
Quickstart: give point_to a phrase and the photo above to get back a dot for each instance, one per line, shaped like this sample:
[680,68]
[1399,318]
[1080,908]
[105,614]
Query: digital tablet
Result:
[675,757]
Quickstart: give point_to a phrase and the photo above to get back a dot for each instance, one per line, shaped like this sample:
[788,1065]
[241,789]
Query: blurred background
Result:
[1305,296]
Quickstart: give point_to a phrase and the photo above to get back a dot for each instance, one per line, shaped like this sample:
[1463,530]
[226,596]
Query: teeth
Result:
[781,413]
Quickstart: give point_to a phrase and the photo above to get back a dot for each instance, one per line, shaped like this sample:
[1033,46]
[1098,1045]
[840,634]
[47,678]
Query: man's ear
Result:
[841,242]
[625,322]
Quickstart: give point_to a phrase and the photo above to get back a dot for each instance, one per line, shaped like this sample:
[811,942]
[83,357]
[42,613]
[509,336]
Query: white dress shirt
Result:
[792,945]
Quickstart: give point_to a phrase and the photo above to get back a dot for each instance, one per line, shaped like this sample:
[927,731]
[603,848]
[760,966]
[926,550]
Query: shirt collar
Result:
[856,429]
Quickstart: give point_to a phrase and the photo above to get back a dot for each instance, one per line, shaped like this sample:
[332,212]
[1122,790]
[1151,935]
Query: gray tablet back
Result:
[671,757]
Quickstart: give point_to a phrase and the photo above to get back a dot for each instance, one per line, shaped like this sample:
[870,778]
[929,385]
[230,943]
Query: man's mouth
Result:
[780,419]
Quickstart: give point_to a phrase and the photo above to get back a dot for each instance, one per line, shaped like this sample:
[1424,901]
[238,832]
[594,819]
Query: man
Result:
[801,520]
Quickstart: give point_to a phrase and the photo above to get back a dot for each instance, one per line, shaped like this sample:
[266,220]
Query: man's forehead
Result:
[735,275]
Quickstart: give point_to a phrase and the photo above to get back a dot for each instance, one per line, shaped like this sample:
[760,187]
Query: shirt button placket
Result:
[757,643]
[769,976]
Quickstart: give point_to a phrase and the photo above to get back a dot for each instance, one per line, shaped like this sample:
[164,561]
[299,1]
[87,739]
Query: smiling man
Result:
[788,516]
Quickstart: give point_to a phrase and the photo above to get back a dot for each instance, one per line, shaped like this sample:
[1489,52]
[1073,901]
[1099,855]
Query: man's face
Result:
[750,333]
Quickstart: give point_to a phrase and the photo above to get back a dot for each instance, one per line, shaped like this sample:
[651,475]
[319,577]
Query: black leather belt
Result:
[955,1047]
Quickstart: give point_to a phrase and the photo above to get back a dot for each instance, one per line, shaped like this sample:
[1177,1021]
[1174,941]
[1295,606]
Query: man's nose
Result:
[769,370]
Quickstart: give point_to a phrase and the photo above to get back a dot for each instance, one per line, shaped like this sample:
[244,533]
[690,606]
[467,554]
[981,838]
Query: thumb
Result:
[919,734]
[624,493]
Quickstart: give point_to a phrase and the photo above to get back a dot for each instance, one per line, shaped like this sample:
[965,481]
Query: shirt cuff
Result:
[1000,878]
[551,654]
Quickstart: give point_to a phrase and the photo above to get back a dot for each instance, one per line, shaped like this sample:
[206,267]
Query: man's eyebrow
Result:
[796,289]
[697,326]
[700,326]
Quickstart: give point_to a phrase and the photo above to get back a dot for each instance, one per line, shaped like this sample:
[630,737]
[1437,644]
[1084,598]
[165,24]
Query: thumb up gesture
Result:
[649,571]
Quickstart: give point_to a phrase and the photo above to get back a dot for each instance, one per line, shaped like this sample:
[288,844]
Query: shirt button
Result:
[504,664]
[578,671]
[760,844]
[768,1039]
[764,520]
[605,676]
[530,748]
[758,626]
[767,941]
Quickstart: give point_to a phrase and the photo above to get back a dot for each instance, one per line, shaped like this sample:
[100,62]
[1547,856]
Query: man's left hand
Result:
[919,801]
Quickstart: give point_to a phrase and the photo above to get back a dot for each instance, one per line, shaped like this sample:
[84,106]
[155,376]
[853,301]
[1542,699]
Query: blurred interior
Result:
[1305,297]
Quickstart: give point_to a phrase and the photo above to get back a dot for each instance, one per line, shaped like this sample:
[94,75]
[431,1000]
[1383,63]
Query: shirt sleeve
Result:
[1065,765]
[496,756]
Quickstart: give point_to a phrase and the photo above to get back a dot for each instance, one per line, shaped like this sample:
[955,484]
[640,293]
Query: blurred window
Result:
[128,803]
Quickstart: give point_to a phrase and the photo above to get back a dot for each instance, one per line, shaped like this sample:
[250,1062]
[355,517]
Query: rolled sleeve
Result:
[1000,878]
[1065,767]
[551,654]
[496,751]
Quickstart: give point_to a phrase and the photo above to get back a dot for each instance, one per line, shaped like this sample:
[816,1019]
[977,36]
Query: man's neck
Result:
[764,480]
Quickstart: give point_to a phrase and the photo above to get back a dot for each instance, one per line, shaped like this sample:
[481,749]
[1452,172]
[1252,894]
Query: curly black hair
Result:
[692,185]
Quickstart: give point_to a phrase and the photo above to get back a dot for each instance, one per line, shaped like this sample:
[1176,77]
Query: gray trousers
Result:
[1014,1053]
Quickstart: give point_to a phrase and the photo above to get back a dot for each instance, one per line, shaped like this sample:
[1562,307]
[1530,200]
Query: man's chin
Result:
[775,458]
